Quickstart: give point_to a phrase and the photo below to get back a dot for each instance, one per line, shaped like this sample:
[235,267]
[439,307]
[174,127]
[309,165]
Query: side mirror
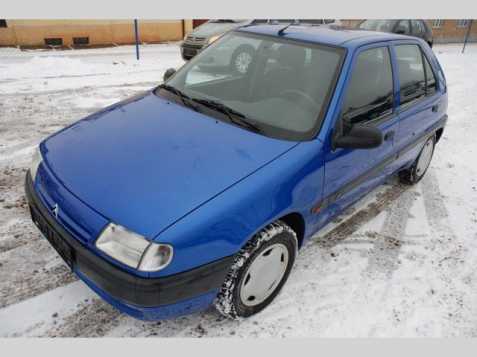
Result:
[169,73]
[359,137]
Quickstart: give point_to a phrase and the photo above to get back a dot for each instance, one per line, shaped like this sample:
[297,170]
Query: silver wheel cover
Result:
[425,158]
[242,61]
[264,274]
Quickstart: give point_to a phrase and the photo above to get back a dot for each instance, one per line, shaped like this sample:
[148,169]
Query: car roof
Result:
[325,34]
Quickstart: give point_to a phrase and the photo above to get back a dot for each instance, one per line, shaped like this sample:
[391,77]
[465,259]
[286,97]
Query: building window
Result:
[53,41]
[79,41]
[3,23]
[437,23]
[463,23]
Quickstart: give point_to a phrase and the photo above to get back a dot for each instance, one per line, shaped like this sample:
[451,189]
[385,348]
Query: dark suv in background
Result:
[417,28]
[211,30]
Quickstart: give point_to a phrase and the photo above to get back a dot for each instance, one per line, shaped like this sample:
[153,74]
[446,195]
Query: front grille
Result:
[195,40]
[62,218]
[50,194]
[55,239]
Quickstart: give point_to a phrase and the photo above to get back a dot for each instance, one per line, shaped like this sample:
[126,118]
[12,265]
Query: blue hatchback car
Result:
[202,190]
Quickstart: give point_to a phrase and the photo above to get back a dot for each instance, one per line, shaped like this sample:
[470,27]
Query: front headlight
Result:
[35,162]
[213,39]
[133,249]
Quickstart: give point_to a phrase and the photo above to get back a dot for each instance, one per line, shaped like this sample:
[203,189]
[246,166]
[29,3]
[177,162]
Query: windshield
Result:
[280,86]
[378,25]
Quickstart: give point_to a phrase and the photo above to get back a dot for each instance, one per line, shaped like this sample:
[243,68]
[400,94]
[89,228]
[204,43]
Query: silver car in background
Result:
[211,30]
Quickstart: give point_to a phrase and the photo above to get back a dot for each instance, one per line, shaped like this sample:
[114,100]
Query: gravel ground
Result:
[401,262]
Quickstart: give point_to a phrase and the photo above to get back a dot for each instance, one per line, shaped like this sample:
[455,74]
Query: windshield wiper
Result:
[234,116]
[185,99]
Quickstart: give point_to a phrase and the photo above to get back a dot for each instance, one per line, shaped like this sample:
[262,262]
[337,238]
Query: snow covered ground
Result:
[402,262]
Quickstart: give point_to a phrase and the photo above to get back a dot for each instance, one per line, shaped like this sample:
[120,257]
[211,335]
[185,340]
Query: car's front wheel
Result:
[259,271]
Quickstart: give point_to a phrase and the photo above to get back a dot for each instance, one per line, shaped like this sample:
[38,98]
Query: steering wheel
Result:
[293,93]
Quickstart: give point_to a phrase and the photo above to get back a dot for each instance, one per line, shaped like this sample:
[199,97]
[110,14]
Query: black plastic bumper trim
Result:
[121,285]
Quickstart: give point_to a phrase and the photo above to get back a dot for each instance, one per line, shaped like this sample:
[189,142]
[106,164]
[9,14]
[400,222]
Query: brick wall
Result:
[448,32]
[100,32]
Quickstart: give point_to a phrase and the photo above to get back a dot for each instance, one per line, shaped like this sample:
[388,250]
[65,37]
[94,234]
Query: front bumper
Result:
[144,298]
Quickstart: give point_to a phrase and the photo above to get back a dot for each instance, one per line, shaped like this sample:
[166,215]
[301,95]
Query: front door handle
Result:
[389,135]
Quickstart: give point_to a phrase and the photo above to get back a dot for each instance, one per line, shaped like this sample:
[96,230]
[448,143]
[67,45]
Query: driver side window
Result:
[369,95]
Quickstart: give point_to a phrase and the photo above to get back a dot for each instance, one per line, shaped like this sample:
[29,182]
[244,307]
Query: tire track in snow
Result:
[84,90]
[384,255]
[93,319]
[38,315]
[450,258]
[356,220]
[31,270]
[387,243]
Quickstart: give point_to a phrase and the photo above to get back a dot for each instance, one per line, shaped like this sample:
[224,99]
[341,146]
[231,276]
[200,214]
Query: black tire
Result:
[241,49]
[411,176]
[228,301]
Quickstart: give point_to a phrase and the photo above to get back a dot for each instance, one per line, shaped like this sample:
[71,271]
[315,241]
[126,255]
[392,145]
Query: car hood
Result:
[214,28]
[146,162]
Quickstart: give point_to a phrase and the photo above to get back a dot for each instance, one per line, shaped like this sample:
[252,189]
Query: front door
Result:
[369,100]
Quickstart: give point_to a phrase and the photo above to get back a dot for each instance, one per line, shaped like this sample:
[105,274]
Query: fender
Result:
[291,183]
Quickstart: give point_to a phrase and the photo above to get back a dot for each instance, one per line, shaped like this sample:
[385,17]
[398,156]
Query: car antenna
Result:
[282,30]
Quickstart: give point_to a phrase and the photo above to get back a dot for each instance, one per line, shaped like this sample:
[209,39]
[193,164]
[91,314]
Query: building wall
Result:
[106,32]
[100,32]
[350,23]
[449,32]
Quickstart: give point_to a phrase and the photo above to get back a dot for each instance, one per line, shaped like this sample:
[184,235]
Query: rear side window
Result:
[412,77]
[370,91]
[430,78]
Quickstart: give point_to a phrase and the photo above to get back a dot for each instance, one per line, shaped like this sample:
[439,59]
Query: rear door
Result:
[420,106]
[368,100]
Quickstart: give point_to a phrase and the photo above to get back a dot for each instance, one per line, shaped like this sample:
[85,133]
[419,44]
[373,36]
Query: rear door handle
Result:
[435,108]
[389,135]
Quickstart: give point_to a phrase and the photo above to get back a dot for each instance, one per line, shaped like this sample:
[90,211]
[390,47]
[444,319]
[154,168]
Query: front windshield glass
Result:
[378,25]
[280,86]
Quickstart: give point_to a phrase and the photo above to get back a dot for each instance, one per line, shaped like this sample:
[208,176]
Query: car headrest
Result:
[291,56]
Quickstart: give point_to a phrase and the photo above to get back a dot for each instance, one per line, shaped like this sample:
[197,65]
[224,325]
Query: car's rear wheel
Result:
[259,271]
[416,172]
